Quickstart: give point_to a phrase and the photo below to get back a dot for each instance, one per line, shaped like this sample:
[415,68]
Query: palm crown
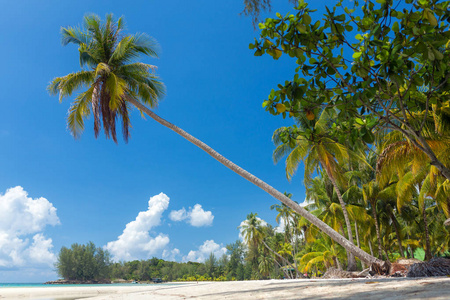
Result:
[110,73]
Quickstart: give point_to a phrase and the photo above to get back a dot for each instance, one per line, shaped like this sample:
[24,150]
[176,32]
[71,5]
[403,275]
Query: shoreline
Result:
[381,288]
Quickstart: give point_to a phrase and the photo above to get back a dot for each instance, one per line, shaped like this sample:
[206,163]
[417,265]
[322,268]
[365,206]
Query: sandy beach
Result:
[387,288]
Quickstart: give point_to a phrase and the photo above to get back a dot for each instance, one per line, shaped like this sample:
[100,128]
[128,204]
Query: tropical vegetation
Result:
[370,108]
[87,263]
[115,81]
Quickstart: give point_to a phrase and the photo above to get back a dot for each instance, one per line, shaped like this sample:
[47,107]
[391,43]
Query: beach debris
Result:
[333,273]
[377,269]
[401,267]
[364,273]
[434,267]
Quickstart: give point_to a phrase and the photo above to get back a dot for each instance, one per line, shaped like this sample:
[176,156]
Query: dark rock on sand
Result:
[434,267]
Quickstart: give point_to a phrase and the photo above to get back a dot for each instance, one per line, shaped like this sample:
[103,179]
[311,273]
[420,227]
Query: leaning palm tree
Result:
[317,150]
[115,82]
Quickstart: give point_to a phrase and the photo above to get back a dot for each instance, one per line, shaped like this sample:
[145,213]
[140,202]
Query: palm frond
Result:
[116,87]
[443,197]
[406,188]
[68,84]
[78,111]
[294,158]
[74,35]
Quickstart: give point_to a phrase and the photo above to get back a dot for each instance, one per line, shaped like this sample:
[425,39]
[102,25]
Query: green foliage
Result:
[110,73]
[83,262]
[371,62]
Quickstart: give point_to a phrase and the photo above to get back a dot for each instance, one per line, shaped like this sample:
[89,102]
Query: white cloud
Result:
[203,252]
[40,250]
[171,255]
[306,202]
[196,216]
[282,226]
[178,215]
[135,242]
[21,217]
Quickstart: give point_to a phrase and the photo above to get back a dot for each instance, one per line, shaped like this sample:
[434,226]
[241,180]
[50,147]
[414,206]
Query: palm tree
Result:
[400,159]
[253,233]
[325,254]
[316,150]
[290,220]
[265,265]
[251,230]
[115,82]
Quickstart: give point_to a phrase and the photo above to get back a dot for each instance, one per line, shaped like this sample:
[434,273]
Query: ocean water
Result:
[19,285]
[28,285]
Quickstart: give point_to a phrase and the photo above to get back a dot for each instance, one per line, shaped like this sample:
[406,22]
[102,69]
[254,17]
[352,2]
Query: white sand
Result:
[392,288]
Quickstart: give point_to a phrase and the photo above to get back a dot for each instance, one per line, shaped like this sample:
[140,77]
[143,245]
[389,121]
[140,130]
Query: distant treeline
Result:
[88,262]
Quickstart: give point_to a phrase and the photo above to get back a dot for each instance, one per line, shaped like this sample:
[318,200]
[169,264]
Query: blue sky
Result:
[92,187]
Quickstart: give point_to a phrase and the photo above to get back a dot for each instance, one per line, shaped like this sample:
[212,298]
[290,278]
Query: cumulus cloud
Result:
[22,222]
[178,215]
[135,242]
[306,202]
[196,216]
[203,252]
[171,255]
[282,226]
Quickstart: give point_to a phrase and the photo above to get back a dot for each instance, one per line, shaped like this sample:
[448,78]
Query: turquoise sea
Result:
[26,285]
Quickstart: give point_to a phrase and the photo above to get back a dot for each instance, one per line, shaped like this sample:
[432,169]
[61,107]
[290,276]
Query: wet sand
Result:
[387,288]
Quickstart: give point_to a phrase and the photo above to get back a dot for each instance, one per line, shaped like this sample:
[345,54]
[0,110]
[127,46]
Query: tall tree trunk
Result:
[284,270]
[427,236]
[285,261]
[363,265]
[294,250]
[346,251]
[377,228]
[434,161]
[337,262]
[397,232]
[370,247]
[387,254]
[369,259]
[351,258]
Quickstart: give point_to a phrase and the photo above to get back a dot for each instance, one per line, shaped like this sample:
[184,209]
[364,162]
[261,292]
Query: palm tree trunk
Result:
[363,265]
[370,247]
[397,232]
[338,263]
[434,161]
[377,228]
[294,252]
[284,270]
[351,258]
[264,186]
[387,253]
[427,236]
[343,233]
[285,261]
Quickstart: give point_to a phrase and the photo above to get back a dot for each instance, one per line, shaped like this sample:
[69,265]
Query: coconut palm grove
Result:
[362,114]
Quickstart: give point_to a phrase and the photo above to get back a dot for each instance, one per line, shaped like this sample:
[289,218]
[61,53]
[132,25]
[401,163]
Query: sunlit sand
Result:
[386,288]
